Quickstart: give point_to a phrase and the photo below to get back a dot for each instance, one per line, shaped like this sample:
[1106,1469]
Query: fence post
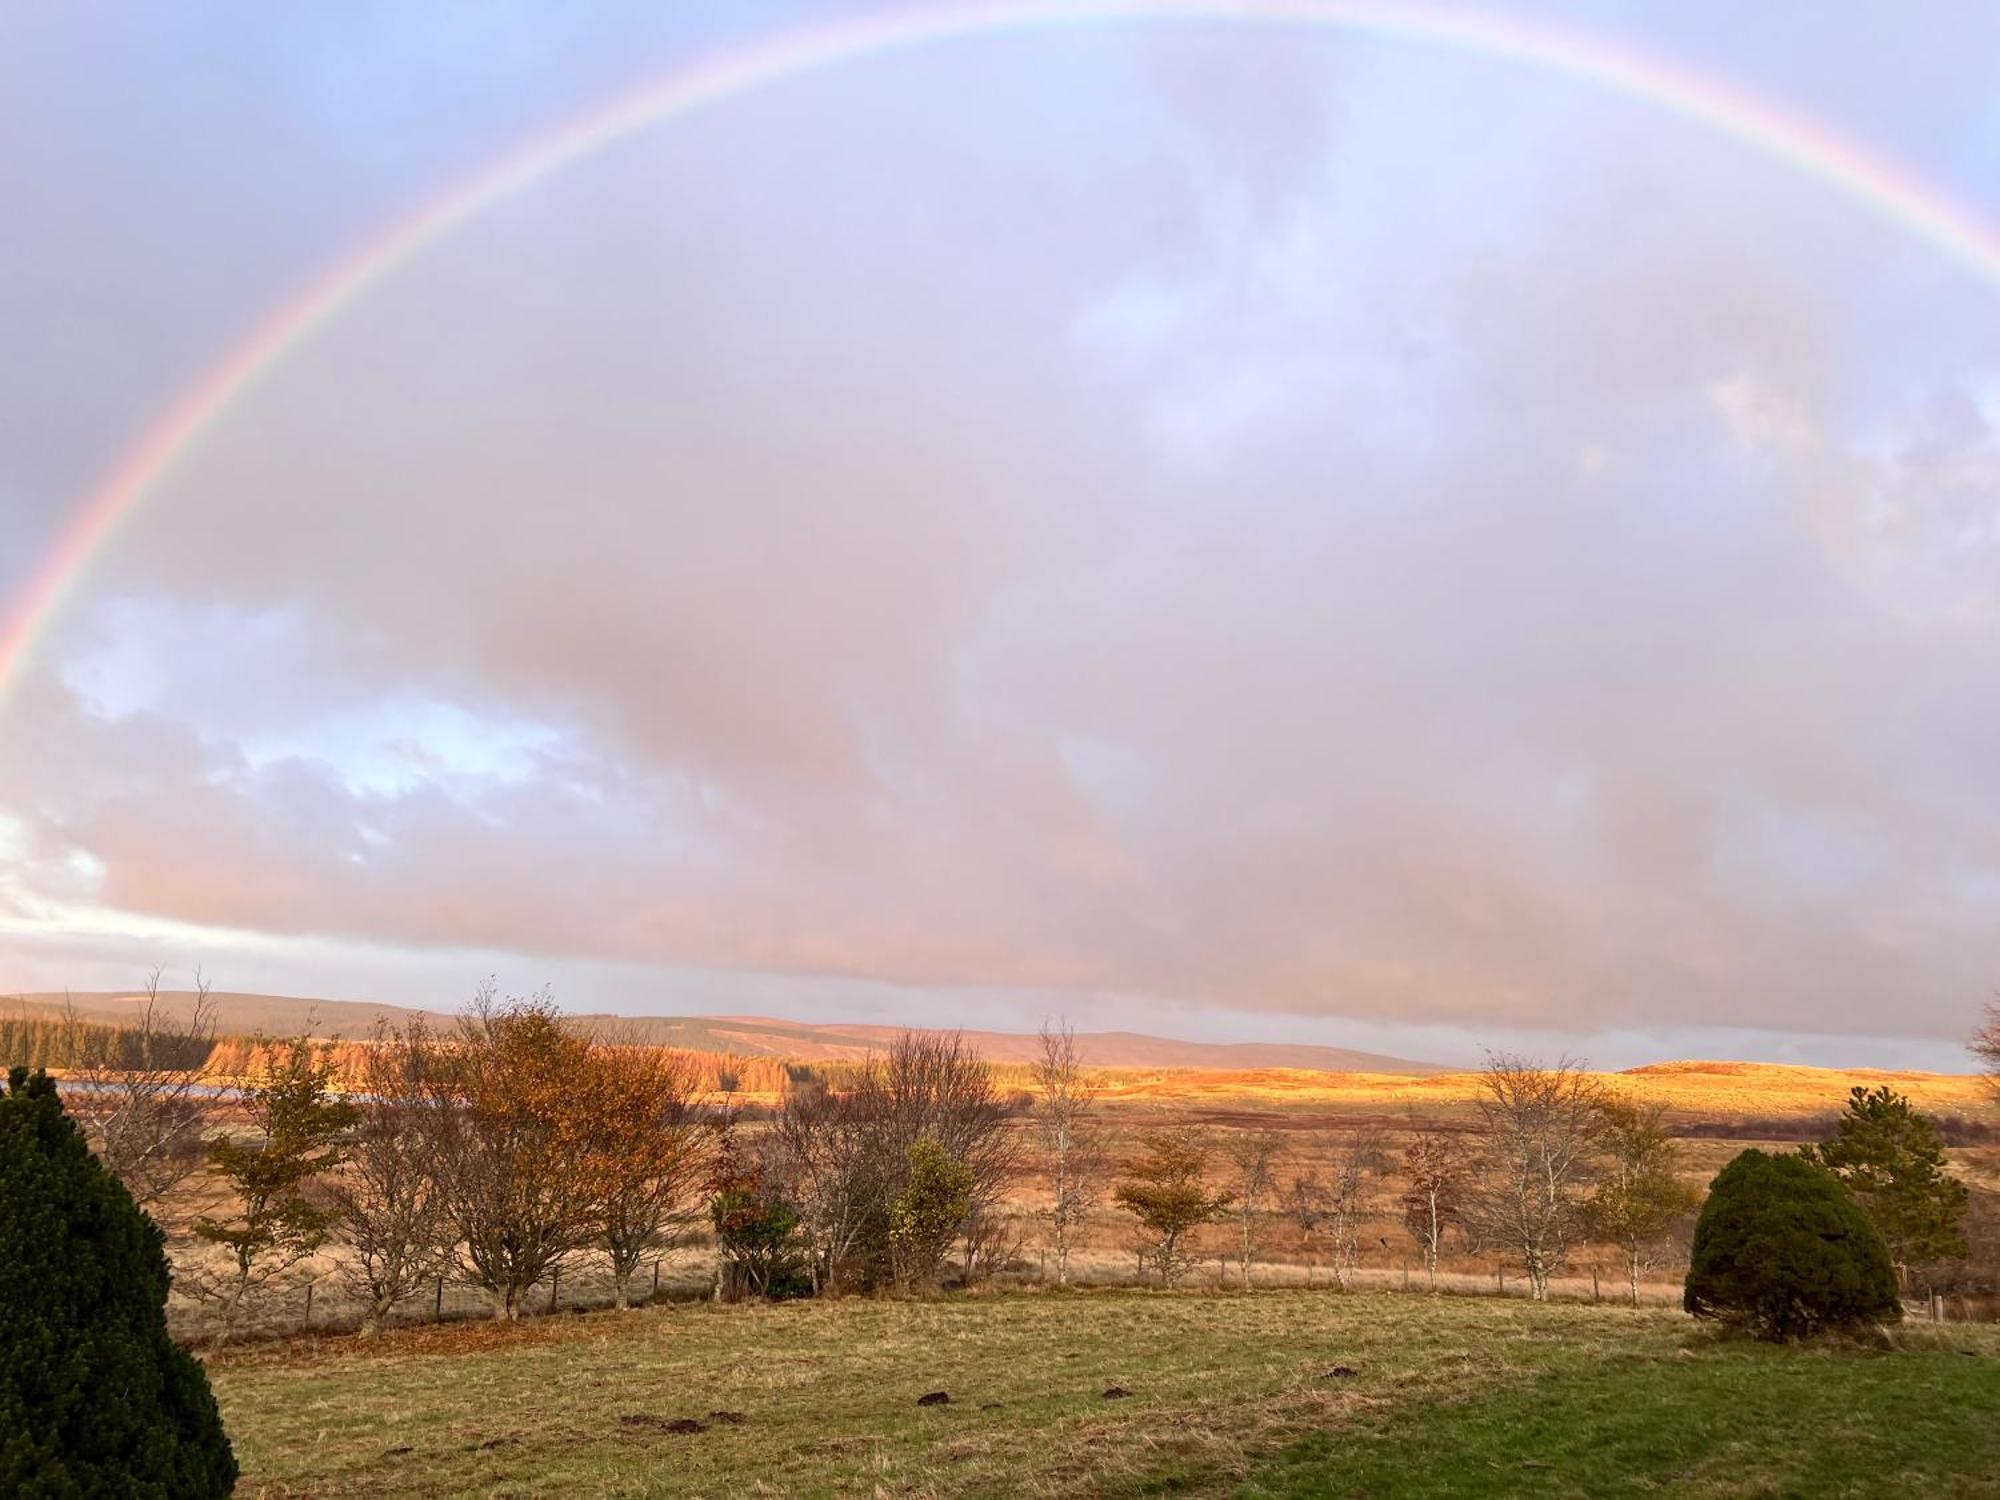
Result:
[1500,1277]
[437,1312]
[1593,1284]
[309,1304]
[555,1286]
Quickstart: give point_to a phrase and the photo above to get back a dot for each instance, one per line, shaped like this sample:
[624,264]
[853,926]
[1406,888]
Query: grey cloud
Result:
[1402,593]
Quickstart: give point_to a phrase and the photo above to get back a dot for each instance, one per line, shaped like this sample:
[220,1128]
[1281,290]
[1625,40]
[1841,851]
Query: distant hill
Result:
[755,1036]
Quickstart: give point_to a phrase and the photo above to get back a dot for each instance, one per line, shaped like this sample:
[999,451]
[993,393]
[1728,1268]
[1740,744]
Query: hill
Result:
[753,1036]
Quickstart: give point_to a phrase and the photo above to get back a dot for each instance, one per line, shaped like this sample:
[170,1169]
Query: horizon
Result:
[1639,1054]
[1465,527]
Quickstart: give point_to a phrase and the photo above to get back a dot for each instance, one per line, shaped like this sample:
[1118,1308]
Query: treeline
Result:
[61,1042]
[499,1148]
[66,1044]
[235,1058]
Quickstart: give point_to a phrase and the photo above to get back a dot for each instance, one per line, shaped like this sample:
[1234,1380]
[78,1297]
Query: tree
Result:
[1434,1165]
[933,1083]
[1357,1159]
[1065,1121]
[1986,1047]
[844,1154]
[756,1240]
[508,1115]
[1640,1195]
[1539,1126]
[1166,1193]
[648,1145]
[1782,1250]
[276,1224]
[387,1204]
[925,1215]
[823,1145]
[1253,1160]
[1305,1204]
[143,1101]
[95,1398]
[1891,1160]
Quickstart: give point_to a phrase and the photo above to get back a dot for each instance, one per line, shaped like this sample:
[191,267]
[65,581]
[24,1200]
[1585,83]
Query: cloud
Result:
[1474,580]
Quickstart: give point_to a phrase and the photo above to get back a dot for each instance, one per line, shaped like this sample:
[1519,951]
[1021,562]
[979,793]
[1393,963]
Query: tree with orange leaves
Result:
[651,1147]
[518,1149]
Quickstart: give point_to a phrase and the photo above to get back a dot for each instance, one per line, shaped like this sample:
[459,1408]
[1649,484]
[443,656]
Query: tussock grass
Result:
[1228,1393]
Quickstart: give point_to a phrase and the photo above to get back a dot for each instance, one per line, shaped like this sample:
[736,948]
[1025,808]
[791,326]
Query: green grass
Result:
[1229,1394]
[1730,1419]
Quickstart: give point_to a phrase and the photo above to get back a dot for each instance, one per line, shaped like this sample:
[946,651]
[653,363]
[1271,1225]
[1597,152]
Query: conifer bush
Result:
[1782,1250]
[95,1398]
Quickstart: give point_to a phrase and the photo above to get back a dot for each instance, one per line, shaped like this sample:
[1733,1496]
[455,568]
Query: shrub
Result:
[1781,1249]
[95,1399]
[925,1216]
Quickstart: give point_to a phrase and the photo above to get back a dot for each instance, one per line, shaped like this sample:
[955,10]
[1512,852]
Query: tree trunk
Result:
[373,1316]
[1632,1265]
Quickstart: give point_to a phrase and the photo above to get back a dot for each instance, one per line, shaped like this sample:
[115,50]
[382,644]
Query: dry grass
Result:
[1693,1090]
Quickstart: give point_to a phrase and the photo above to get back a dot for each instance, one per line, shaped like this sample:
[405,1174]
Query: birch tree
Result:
[1253,1159]
[1357,1160]
[1540,1127]
[1434,1167]
[1639,1195]
[1072,1142]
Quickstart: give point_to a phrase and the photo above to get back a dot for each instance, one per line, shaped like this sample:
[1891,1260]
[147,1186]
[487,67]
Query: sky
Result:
[1234,532]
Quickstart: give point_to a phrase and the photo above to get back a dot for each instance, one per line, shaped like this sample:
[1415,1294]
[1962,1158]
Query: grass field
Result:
[1268,1393]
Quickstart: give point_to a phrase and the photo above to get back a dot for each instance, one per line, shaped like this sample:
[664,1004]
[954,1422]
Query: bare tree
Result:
[1540,1128]
[650,1147]
[1065,1120]
[1434,1166]
[1357,1161]
[1253,1161]
[932,1082]
[1307,1206]
[516,1153]
[822,1147]
[993,1242]
[844,1155]
[1986,1047]
[388,1205]
[144,1102]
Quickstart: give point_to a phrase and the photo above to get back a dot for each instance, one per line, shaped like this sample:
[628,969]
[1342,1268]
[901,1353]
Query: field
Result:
[1265,1393]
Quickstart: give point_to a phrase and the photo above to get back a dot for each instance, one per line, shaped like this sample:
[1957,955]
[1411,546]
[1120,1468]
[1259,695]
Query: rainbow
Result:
[1876,183]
